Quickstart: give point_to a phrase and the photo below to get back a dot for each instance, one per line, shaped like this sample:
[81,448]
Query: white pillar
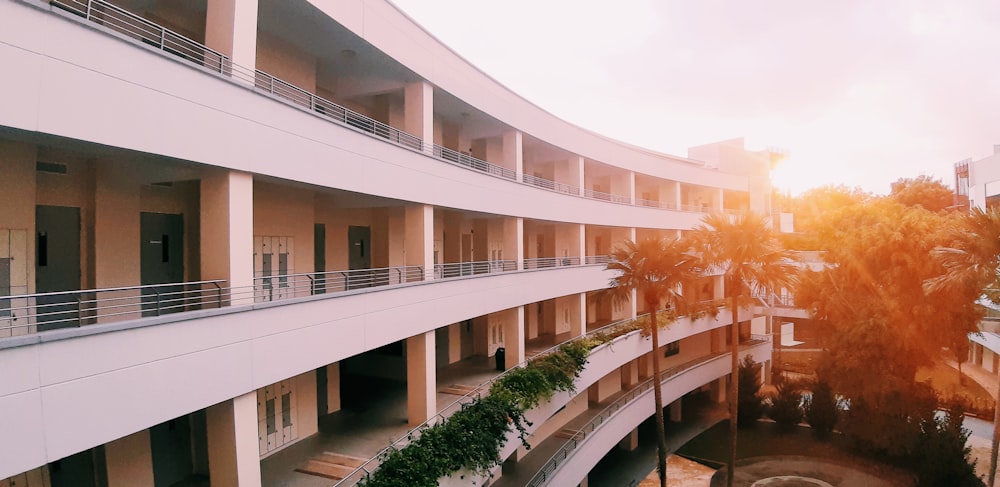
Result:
[675,411]
[421,378]
[630,442]
[418,110]
[578,315]
[231,28]
[678,199]
[333,387]
[513,240]
[631,188]
[129,460]
[717,203]
[580,182]
[226,227]
[513,336]
[582,243]
[513,151]
[233,444]
[420,238]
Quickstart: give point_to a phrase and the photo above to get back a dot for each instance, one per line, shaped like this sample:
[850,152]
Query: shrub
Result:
[942,457]
[786,405]
[749,405]
[821,409]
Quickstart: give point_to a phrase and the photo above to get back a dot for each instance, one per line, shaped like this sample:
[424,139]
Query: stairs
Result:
[457,389]
[329,465]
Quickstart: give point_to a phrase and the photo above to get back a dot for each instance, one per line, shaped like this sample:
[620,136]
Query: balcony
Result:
[135,29]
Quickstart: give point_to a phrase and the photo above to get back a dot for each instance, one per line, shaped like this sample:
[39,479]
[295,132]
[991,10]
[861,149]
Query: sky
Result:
[858,92]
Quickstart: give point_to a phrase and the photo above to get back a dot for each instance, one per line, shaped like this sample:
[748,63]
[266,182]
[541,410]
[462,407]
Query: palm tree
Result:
[744,248]
[973,262]
[659,268]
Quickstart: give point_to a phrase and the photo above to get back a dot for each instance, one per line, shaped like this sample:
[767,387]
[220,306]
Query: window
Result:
[672,348]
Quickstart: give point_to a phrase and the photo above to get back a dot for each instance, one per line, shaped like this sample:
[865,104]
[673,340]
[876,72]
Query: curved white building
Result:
[234,232]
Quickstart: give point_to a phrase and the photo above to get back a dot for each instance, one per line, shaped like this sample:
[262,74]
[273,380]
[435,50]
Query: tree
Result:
[745,249]
[748,400]
[972,264]
[821,409]
[658,268]
[924,191]
[786,404]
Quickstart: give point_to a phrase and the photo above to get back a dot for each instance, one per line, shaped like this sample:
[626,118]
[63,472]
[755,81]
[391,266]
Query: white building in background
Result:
[227,226]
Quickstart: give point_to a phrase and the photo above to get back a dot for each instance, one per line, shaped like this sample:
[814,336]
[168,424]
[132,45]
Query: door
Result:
[170,445]
[442,346]
[162,262]
[359,243]
[77,470]
[57,265]
[319,257]
[277,416]
[13,282]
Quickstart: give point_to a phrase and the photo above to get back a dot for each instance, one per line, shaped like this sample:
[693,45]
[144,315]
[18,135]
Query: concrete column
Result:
[231,28]
[226,227]
[233,444]
[630,442]
[717,200]
[420,238]
[718,287]
[633,303]
[513,151]
[129,460]
[630,374]
[513,240]
[116,227]
[678,199]
[454,342]
[631,189]
[333,387]
[513,336]
[719,388]
[675,411]
[581,241]
[579,180]
[421,378]
[578,315]
[418,110]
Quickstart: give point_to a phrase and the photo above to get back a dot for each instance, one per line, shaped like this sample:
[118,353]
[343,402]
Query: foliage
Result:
[924,191]
[472,437]
[942,457]
[814,209]
[748,400]
[786,405]
[821,409]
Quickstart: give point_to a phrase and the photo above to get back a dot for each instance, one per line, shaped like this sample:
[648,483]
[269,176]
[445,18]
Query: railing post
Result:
[163,38]
[157,300]
[90,6]
[79,311]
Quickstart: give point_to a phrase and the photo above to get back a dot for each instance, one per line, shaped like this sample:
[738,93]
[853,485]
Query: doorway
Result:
[57,265]
[161,262]
[359,244]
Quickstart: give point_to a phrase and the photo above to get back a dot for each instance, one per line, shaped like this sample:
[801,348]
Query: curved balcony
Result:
[602,360]
[595,438]
[136,29]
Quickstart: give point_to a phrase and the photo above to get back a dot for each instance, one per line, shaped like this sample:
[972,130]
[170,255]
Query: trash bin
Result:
[501,359]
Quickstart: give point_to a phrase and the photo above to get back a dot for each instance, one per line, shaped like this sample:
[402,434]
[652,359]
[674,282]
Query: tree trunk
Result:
[996,438]
[733,387]
[661,440]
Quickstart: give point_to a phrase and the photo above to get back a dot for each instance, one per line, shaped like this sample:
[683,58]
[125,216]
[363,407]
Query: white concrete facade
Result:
[236,237]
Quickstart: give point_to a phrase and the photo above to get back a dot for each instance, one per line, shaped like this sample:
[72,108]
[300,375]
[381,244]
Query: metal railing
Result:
[597,259]
[366,469]
[566,452]
[272,288]
[30,313]
[459,269]
[600,195]
[546,262]
[549,184]
[140,30]
[783,300]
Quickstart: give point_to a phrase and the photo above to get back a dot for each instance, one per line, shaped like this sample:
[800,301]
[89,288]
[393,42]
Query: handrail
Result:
[367,468]
[597,259]
[458,269]
[564,453]
[146,32]
[547,262]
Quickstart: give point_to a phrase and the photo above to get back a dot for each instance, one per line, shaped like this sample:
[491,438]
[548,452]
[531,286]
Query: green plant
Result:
[749,405]
[786,405]
[821,409]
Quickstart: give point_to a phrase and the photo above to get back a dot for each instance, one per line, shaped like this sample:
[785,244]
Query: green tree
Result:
[821,409]
[658,268]
[786,404]
[749,404]
[971,261]
[745,249]
[923,191]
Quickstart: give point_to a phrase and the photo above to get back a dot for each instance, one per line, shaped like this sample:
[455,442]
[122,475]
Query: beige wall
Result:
[18,187]
[280,58]
[130,460]
[281,211]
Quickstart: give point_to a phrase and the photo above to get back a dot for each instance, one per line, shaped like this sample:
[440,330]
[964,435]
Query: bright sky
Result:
[859,92]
